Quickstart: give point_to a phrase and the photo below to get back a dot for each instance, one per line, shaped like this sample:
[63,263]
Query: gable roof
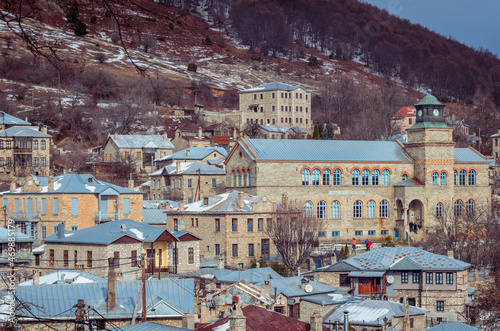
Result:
[169,297]
[406,111]
[186,235]
[154,216]
[400,258]
[141,141]
[324,150]
[455,326]
[189,168]
[469,155]
[259,319]
[222,203]
[254,275]
[282,129]
[19,131]
[246,291]
[62,276]
[291,287]
[18,236]
[272,87]
[146,326]
[109,232]
[7,119]
[195,153]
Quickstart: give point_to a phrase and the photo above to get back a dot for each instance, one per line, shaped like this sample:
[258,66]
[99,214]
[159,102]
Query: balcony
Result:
[105,217]
[24,216]
[18,257]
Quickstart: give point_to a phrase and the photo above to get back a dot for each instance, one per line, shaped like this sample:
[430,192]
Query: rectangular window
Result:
[16,205]
[5,204]
[250,225]
[7,144]
[371,232]
[235,249]
[272,95]
[358,233]
[74,228]
[449,278]
[190,183]
[65,258]
[439,278]
[416,277]
[345,280]
[89,259]
[384,232]
[75,256]
[138,155]
[429,277]
[217,249]
[194,222]
[1,161]
[74,206]
[234,224]
[321,233]
[126,206]
[37,259]
[8,161]
[250,250]
[335,233]
[217,224]
[190,255]
[411,323]
[44,232]
[176,224]
[44,206]
[52,255]
[260,224]
[133,258]
[44,162]
[173,183]
[116,256]
[404,276]
[35,161]
[268,224]
[56,206]
[214,182]
[439,305]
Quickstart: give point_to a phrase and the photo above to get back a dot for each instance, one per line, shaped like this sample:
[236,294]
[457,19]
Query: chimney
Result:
[178,166]
[264,289]
[60,230]
[51,184]
[450,254]
[111,300]
[12,185]
[44,129]
[303,283]
[476,275]
[235,135]
[36,278]
[257,264]
[200,132]
[220,263]
[188,152]
[316,321]
[116,135]
[188,321]
[406,306]
[123,228]
[204,313]
[237,321]
[130,184]
[165,136]
[241,200]
[346,320]
[181,205]
[284,200]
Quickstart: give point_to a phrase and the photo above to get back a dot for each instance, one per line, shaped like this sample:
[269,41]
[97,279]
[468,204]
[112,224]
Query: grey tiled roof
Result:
[154,216]
[19,131]
[225,202]
[142,141]
[190,168]
[254,275]
[7,119]
[195,153]
[19,237]
[455,326]
[107,233]
[272,87]
[179,234]
[468,155]
[327,150]
[399,258]
[146,326]
[291,287]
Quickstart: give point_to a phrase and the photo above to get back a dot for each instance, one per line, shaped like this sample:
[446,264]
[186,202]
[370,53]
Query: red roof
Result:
[407,111]
[259,319]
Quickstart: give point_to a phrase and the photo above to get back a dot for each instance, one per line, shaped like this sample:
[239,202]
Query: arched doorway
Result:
[415,213]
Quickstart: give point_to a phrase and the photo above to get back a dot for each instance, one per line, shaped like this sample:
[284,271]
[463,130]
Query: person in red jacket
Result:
[368,244]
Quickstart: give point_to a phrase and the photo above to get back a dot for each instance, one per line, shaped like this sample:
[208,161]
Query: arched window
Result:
[471,206]
[335,209]
[337,179]
[326,177]
[384,208]
[405,177]
[357,210]
[459,208]
[386,177]
[375,177]
[370,209]
[321,208]
[365,177]
[443,178]
[244,177]
[305,176]
[472,177]
[462,177]
[435,178]
[355,177]
[239,178]
[439,210]
[249,178]
[234,178]
[316,177]
[308,208]
[456,175]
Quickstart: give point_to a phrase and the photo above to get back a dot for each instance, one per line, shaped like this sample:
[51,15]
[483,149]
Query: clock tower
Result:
[430,141]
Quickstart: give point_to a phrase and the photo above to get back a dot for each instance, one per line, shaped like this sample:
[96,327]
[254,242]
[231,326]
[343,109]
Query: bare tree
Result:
[294,232]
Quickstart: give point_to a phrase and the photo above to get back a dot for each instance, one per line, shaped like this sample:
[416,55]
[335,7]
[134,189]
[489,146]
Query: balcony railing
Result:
[24,216]
[19,256]
[105,217]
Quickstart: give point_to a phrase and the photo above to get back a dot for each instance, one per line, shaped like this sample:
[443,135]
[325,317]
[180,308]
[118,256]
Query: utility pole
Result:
[143,289]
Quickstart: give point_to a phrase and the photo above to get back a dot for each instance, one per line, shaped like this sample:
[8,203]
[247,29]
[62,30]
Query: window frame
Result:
[355,177]
[386,177]
[337,177]
[371,209]
[472,177]
[335,209]
[429,278]
[439,278]
[365,177]
[306,177]
[383,209]
[375,177]
[321,209]
[357,211]
[316,177]
[404,277]
[326,177]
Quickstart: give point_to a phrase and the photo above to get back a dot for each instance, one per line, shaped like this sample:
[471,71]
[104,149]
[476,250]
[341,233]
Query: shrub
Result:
[313,61]
[170,26]
[256,57]
[207,41]
[179,22]
[80,28]
[107,14]
[100,57]
[93,19]
[192,67]
[160,38]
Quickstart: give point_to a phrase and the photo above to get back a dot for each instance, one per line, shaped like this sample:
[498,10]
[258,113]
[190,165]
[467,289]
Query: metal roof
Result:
[189,168]
[19,131]
[7,119]
[154,216]
[468,155]
[146,326]
[429,99]
[107,233]
[385,258]
[326,150]
[19,237]
[222,203]
[410,182]
[254,275]
[370,312]
[155,204]
[168,297]
[272,87]
[327,299]
[281,129]
[142,141]
[455,326]
[291,287]
[366,273]
[195,153]
[65,276]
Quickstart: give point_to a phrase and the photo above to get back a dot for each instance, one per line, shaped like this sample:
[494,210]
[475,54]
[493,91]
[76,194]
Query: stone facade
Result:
[495,143]
[276,104]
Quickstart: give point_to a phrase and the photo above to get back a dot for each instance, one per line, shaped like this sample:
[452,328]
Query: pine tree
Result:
[80,28]
[316,134]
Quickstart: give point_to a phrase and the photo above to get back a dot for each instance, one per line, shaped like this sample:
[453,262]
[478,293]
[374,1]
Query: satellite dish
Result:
[390,279]
[308,288]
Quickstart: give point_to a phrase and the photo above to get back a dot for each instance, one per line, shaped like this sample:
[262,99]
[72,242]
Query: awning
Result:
[366,273]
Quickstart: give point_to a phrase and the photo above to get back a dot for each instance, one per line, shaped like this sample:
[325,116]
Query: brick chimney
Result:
[178,166]
[51,184]
[220,263]
[265,288]
[43,129]
[165,136]
[237,321]
[316,321]
[12,185]
[235,135]
[200,132]
[60,230]
[130,184]
[111,300]
[116,135]
[181,205]
[241,200]
[36,278]
[188,321]
[284,200]
[188,152]
[204,313]
[450,254]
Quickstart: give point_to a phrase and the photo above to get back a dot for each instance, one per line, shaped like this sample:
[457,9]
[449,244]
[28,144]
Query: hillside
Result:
[109,87]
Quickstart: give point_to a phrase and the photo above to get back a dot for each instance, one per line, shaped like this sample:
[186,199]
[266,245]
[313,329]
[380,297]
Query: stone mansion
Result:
[368,189]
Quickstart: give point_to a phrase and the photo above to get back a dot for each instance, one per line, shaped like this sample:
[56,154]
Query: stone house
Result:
[368,188]
[495,143]
[404,119]
[187,181]
[141,150]
[185,253]
[430,281]
[233,225]
[8,121]
[215,135]
[23,250]
[276,104]
[126,241]
[80,201]
[208,155]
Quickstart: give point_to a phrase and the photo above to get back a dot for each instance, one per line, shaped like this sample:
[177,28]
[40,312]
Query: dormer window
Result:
[90,180]
[205,201]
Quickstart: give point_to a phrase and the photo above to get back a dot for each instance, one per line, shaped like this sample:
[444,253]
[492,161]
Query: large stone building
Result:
[495,142]
[368,188]
[276,104]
